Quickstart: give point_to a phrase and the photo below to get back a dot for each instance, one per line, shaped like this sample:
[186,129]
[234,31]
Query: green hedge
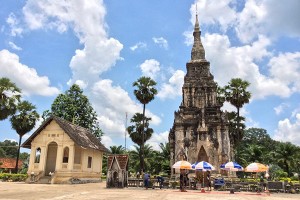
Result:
[13,177]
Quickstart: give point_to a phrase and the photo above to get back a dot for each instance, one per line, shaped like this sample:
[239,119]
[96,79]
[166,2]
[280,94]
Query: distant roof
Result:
[9,163]
[122,160]
[81,136]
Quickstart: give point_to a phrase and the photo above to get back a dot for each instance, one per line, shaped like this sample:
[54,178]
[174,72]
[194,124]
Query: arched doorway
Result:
[202,156]
[51,158]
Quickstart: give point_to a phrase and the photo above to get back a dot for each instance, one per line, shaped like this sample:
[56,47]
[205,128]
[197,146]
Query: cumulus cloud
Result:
[288,130]
[24,77]
[162,42]
[173,88]
[263,16]
[14,46]
[139,45]
[158,138]
[285,68]
[106,99]
[86,18]
[150,68]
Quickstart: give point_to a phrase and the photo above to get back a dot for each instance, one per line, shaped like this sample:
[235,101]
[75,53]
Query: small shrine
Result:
[117,171]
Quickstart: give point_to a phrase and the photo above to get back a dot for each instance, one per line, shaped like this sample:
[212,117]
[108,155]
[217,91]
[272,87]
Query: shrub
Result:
[13,177]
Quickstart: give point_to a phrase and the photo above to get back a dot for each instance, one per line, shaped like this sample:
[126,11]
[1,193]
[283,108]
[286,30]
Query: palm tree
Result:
[285,153]
[144,93]
[140,135]
[9,98]
[236,93]
[23,121]
[150,160]
[117,149]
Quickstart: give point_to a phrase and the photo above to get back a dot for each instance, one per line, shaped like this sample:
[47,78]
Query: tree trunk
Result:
[17,162]
[143,140]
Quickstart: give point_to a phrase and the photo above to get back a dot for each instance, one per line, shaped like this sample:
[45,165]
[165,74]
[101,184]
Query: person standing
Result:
[146,180]
[208,180]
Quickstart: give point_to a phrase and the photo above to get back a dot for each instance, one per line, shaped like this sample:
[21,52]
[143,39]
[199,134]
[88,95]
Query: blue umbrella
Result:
[203,166]
[231,166]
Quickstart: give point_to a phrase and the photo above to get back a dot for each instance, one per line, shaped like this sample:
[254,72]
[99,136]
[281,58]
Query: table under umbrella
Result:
[203,166]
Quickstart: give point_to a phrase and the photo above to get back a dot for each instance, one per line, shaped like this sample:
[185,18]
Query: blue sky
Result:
[104,46]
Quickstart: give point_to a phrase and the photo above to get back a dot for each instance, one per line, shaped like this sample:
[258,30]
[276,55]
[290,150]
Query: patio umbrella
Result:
[182,165]
[256,167]
[203,166]
[231,166]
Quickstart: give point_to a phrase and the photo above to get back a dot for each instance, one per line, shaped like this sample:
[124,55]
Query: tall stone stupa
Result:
[200,128]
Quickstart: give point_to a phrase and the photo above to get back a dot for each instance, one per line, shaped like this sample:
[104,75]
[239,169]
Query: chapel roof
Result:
[81,136]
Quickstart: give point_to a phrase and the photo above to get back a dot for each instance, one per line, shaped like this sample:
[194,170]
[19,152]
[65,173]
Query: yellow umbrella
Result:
[182,165]
[256,167]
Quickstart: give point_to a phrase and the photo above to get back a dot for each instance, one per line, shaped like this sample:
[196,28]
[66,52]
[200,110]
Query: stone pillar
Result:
[32,158]
[43,157]
[71,157]
[59,157]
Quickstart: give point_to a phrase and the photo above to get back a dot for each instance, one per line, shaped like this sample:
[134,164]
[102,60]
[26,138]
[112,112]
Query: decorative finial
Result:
[196,10]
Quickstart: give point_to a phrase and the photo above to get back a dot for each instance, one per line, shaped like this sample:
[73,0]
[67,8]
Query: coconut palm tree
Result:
[23,121]
[140,133]
[237,95]
[10,95]
[285,154]
[117,149]
[144,93]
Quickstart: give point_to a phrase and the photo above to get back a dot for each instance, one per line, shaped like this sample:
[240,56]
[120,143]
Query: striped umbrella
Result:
[182,165]
[256,167]
[204,166]
[231,166]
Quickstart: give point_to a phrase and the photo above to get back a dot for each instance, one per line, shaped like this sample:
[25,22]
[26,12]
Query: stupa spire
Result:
[198,52]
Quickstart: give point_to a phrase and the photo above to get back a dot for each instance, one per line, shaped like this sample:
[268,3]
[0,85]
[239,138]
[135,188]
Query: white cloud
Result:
[14,24]
[158,138]
[173,88]
[285,68]
[14,46]
[257,16]
[86,18]
[280,108]
[162,42]
[107,141]
[23,76]
[241,62]
[139,45]
[287,131]
[112,103]
[150,68]
[214,12]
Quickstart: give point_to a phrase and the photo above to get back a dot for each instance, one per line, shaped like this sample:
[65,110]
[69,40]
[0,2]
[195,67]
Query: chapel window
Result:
[66,155]
[89,162]
[37,155]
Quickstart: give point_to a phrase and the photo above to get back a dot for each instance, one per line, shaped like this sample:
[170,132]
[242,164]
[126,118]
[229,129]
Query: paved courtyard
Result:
[17,191]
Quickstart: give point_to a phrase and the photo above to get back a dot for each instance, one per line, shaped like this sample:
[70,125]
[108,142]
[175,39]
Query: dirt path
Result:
[22,191]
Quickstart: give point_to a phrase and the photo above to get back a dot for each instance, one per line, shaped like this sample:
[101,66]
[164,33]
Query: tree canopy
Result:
[75,107]
[10,95]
